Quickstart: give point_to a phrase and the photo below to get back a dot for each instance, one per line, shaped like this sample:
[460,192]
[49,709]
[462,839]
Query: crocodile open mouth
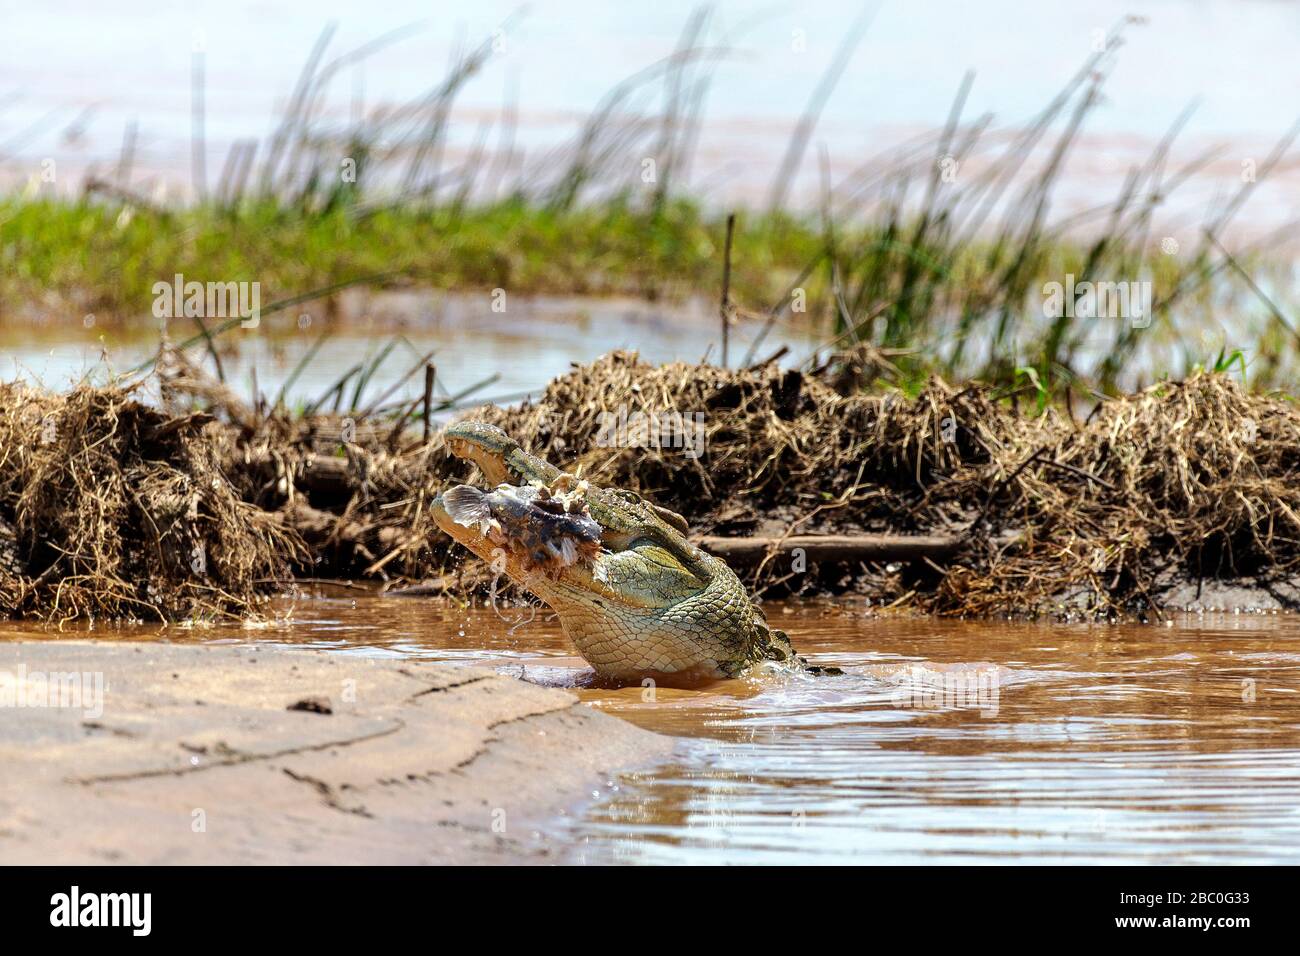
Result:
[550,526]
[544,528]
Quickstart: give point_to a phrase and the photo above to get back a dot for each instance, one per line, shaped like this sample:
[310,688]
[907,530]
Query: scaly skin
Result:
[651,604]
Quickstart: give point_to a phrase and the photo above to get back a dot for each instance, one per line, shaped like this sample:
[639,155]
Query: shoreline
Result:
[236,754]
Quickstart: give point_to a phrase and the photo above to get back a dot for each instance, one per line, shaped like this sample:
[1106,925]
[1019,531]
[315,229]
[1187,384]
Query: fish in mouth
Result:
[548,529]
[637,599]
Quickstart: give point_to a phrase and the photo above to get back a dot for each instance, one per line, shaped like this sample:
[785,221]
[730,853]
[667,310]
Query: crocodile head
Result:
[633,594]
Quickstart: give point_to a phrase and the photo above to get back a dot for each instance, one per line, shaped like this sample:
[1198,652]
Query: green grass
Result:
[93,257]
[951,304]
[912,271]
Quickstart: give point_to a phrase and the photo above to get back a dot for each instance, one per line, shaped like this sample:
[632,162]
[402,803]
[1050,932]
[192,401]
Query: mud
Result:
[163,753]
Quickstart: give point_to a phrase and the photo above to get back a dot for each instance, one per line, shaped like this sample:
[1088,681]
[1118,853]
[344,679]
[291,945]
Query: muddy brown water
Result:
[944,741]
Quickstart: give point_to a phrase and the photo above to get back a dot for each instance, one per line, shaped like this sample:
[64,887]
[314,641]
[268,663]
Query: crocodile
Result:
[635,597]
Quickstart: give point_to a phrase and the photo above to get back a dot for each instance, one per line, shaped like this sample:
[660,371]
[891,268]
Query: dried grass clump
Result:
[106,505]
[753,423]
[775,441]
[358,501]
[1183,482]
[118,510]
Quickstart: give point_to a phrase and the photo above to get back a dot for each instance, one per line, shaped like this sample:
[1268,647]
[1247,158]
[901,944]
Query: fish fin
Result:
[466,505]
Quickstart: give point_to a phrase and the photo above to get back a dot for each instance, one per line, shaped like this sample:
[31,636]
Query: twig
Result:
[1003,487]
[1052,463]
[724,309]
[212,348]
[333,582]
[429,374]
[779,353]
[835,547]
[1277,313]
[370,409]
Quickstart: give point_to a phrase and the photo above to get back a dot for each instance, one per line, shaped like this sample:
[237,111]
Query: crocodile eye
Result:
[631,497]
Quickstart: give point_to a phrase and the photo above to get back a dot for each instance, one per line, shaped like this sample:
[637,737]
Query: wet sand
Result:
[169,754]
[1082,743]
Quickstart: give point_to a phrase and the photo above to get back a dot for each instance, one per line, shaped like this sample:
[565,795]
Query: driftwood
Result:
[435,588]
[834,547]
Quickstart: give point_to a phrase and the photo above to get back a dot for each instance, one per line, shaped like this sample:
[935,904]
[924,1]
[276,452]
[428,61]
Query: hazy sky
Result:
[132,60]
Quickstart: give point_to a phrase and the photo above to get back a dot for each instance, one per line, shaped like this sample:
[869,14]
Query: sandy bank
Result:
[162,753]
